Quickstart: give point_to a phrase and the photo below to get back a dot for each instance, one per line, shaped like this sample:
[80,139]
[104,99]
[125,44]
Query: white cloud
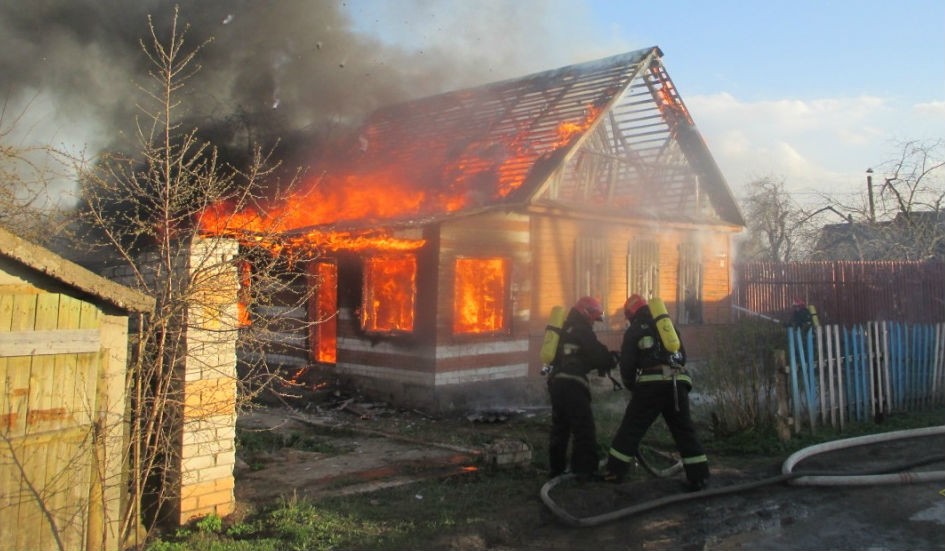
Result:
[815,146]
[932,108]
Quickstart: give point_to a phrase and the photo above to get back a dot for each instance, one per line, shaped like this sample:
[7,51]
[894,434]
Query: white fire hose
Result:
[787,475]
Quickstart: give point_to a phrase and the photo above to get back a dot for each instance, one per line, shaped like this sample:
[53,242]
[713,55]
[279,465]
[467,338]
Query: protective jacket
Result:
[572,420]
[579,351]
[644,359]
[661,387]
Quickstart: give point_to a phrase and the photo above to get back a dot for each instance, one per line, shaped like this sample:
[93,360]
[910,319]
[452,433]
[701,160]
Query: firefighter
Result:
[579,352]
[660,386]
[801,316]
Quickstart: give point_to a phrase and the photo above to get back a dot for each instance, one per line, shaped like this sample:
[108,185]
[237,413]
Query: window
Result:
[323,310]
[591,268]
[689,293]
[643,268]
[479,295]
[390,291]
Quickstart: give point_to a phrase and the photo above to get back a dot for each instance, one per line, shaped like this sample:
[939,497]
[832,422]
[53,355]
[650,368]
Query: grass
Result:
[441,513]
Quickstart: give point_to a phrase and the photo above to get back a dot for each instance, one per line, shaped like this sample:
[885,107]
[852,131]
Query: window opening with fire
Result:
[690,283]
[390,292]
[323,311]
[643,268]
[480,288]
[244,295]
[592,268]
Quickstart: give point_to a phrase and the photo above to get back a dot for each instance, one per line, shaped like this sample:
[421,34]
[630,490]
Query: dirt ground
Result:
[372,453]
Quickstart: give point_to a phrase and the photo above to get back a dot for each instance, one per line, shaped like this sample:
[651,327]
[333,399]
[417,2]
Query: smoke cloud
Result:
[271,69]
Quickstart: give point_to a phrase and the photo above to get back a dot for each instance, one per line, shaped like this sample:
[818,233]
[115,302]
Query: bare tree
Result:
[902,218]
[26,173]
[778,228]
[141,214]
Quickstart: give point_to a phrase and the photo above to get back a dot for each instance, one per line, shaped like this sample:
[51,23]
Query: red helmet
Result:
[590,308]
[634,303]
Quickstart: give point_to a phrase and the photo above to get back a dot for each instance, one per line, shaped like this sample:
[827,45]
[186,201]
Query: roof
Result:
[71,275]
[609,137]
[909,236]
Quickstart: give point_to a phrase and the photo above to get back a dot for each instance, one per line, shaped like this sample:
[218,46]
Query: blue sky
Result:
[810,92]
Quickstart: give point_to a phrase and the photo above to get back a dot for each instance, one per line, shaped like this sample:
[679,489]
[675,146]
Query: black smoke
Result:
[292,70]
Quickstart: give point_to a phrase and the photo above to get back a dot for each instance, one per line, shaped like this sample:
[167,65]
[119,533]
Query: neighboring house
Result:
[63,401]
[909,236]
[501,202]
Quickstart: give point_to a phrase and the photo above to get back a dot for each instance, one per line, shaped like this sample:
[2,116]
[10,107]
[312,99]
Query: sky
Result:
[811,93]
[808,92]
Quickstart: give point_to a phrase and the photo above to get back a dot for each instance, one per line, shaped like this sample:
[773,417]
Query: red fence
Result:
[842,291]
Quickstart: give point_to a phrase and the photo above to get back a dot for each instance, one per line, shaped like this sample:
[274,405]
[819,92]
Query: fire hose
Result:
[889,475]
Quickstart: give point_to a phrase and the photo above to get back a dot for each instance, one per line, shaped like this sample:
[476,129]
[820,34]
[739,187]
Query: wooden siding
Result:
[843,291]
[48,406]
[493,234]
[553,244]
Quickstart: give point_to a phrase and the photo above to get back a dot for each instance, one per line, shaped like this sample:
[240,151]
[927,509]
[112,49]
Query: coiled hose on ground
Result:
[888,475]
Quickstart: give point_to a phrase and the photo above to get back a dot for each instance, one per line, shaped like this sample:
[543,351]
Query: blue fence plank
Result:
[898,378]
[795,393]
[885,368]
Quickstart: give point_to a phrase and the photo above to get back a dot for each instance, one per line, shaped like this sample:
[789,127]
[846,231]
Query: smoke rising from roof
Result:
[274,69]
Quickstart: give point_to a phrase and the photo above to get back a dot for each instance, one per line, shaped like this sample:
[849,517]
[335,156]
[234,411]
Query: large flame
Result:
[479,295]
[390,289]
[375,187]
[323,311]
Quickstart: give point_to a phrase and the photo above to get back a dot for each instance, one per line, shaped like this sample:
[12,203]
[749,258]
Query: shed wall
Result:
[61,374]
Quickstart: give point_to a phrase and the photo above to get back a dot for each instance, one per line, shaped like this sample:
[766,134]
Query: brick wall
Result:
[208,452]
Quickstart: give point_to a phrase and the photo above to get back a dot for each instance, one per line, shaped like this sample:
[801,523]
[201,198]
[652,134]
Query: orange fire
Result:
[378,186]
[479,295]
[390,288]
[323,310]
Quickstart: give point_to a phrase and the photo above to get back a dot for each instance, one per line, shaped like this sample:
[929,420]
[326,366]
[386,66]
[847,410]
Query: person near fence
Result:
[800,316]
[572,420]
[660,384]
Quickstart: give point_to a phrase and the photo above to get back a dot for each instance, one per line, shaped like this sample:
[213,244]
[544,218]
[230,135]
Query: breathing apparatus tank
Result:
[814,320]
[552,335]
[664,325]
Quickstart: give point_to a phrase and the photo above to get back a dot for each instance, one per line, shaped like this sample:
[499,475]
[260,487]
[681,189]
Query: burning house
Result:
[448,228]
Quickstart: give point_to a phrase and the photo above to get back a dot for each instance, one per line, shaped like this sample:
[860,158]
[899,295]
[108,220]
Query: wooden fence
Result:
[843,292]
[851,374]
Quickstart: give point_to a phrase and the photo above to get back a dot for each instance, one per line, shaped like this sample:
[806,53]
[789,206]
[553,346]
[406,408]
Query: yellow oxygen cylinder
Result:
[552,335]
[664,325]
[814,320]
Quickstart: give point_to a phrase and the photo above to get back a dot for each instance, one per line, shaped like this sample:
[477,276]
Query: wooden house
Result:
[63,360]
[466,216]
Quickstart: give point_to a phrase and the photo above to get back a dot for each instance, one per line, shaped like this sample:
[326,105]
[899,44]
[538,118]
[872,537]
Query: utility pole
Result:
[869,191]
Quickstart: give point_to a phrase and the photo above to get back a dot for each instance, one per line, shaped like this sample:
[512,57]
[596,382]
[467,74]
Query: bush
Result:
[739,378]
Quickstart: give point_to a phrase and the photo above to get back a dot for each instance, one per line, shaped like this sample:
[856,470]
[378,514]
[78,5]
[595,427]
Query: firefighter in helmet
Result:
[660,386]
[579,352]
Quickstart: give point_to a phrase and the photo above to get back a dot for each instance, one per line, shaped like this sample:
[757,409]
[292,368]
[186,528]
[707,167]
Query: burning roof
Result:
[608,132]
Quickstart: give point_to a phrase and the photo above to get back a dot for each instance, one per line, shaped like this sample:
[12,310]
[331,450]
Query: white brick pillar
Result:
[208,431]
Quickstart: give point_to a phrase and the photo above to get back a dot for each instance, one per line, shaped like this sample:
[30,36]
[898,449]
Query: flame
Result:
[375,184]
[479,295]
[323,311]
[390,289]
